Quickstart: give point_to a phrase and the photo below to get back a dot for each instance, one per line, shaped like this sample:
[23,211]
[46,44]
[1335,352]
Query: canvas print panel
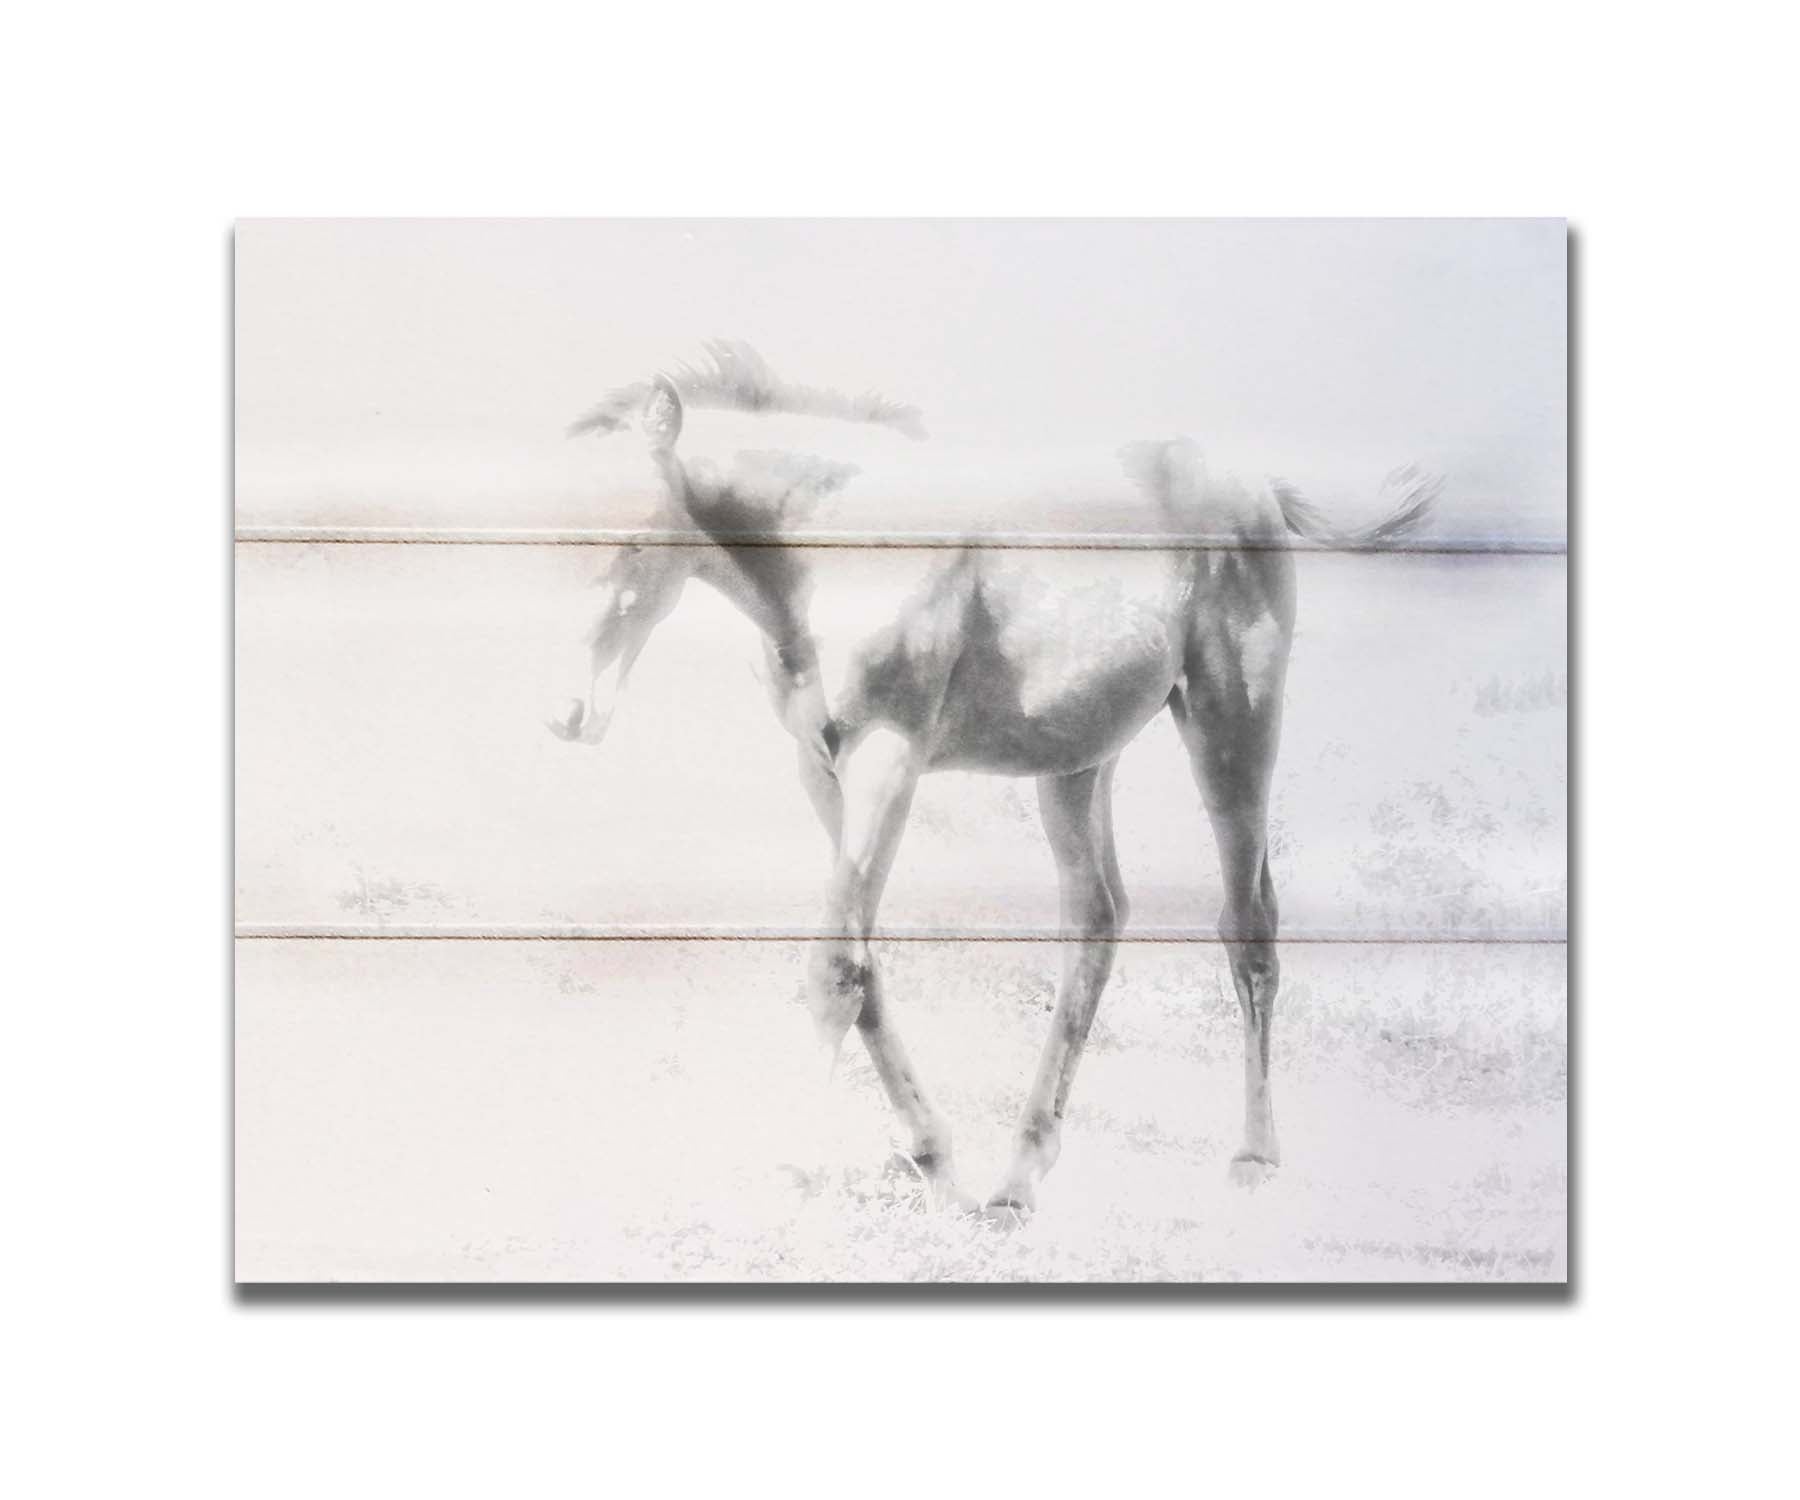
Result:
[845,751]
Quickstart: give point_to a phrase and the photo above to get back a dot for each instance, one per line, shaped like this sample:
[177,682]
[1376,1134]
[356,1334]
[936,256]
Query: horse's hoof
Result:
[1251,1172]
[1006,1213]
[940,1193]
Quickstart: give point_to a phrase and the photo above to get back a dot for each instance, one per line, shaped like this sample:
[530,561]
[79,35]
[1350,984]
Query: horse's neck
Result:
[774,593]
[771,587]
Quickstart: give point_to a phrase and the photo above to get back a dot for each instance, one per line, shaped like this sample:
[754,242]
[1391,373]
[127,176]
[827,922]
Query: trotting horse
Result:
[1013,662]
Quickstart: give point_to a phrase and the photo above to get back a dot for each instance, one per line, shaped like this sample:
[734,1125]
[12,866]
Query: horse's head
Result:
[720,516]
[644,581]
[638,589]
[702,521]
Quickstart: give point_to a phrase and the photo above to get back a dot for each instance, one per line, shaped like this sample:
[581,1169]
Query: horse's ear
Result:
[662,414]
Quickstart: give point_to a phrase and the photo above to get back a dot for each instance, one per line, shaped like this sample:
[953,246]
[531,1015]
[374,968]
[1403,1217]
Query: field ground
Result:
[550,1111]
[652,1108]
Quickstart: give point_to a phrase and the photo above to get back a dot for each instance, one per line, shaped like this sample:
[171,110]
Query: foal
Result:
[1015,662]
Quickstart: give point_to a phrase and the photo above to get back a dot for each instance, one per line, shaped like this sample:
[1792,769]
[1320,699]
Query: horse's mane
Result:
[733,376]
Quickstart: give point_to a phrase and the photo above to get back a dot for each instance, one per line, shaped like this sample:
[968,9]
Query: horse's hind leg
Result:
[877,780]
[1231,729]
[1077,813]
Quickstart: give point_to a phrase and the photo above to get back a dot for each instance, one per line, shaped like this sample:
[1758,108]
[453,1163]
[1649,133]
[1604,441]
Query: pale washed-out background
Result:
[438,1106]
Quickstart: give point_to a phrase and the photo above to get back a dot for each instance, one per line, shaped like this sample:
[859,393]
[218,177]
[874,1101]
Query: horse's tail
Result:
[1194,500]
[1418,493]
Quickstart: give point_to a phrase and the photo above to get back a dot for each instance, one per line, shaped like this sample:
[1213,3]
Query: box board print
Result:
[785,751]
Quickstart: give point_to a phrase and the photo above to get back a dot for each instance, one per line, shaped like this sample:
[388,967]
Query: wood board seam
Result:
[307,932]
[914,541]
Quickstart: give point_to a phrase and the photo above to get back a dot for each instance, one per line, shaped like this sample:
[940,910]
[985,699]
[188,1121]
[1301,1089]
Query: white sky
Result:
[376,354]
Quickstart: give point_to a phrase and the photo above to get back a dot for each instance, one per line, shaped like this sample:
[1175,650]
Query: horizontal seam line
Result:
[1060,543]
[321,934]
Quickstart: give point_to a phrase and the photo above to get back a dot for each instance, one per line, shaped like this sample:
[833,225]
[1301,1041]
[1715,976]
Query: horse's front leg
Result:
[876,781]
[1076,812]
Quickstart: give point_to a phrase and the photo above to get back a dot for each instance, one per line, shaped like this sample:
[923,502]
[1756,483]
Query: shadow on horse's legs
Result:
[1077,816]
[876,782]
[1232,755]
[844,989]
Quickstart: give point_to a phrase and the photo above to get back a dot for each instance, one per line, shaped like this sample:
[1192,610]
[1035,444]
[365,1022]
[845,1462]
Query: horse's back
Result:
[1015,661]
[1064,657]
[1042,654]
